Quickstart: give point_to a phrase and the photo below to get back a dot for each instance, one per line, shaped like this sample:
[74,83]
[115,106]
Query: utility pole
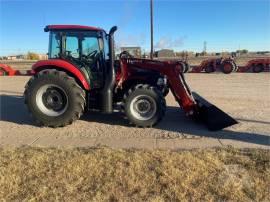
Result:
[151,22]
[204,47]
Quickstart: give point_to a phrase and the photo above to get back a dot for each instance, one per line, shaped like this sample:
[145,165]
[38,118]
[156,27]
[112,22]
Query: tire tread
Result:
[80,98]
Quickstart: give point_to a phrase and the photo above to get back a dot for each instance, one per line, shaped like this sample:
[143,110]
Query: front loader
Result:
[82,74]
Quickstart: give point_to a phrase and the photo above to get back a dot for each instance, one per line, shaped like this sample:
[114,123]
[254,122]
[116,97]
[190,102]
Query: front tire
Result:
[258,68]
[165,91]
[54,99]
[144,105]
[187,68]
[209,69]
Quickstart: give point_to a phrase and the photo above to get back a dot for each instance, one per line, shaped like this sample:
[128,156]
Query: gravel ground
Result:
[24,65]
[244,96]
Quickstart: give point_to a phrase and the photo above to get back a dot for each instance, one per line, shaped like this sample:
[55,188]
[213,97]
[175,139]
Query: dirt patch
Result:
[243,96]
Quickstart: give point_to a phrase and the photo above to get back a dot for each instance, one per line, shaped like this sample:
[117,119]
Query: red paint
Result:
[75,27]
[213,62]
[265,62]
[62,64]
[8,70]
[170,69]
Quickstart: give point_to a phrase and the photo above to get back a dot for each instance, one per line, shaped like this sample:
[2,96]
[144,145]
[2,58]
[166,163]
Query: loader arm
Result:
[192,103]
[175,77]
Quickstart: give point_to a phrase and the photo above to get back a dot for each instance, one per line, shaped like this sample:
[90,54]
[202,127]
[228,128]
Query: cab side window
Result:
[72,46]
[55,45]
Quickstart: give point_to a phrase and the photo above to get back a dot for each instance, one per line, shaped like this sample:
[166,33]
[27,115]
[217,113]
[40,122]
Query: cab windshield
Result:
[74,45]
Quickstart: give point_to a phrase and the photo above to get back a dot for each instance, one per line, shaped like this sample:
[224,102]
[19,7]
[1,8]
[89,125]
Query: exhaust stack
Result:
[107,91]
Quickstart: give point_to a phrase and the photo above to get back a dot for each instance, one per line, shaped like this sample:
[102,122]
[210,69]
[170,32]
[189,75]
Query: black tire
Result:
[183,66]
[145,92]
[59,84]
[258,68]
[187,68]
[235,67]
[165,91]
[209,69]
[227,67]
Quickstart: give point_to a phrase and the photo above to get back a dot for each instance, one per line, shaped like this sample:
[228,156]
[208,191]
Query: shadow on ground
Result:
[14,110]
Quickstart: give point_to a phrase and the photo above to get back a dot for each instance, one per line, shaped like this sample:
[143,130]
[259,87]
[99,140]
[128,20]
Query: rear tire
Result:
[144,105]
[54,99]
[183,66]
[257,68]
[227,67]
[235,67]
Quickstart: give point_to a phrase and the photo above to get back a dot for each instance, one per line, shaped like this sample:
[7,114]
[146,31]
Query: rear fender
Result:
[62,65]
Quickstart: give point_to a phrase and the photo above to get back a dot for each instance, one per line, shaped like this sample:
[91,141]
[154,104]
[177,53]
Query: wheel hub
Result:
[51,100]
[143,107]
[54,99]
[227,67]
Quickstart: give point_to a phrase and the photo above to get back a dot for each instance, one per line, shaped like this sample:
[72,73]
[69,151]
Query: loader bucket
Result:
[213,117]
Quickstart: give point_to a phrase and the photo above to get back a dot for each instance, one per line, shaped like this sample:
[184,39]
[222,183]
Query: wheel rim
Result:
[143,107]
[52,100]
[227,68]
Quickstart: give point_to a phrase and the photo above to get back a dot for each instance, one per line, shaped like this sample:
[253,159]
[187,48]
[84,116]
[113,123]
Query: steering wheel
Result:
[125,54]
[93,53]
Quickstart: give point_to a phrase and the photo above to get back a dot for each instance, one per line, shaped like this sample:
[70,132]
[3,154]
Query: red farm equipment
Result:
[82,74]
[184,63]
[256,66]
[185,66]
[6,70]
[226,65]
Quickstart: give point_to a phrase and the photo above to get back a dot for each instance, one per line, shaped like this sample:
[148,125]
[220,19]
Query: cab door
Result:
[92,57]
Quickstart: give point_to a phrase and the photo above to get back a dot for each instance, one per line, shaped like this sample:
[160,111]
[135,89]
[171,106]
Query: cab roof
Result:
[71,27]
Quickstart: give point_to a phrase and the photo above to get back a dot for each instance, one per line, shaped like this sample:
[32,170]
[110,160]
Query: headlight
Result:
[161,81]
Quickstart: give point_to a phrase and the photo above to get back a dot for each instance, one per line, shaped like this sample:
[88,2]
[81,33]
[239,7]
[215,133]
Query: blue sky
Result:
[181,25]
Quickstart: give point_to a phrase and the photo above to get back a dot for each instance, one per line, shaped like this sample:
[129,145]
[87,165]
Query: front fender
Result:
[64,65]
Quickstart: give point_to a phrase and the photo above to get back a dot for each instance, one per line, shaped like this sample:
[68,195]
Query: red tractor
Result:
[226,65]
[256,65]
[81,74]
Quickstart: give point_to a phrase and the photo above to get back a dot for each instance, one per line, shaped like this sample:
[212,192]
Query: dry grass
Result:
[102,174]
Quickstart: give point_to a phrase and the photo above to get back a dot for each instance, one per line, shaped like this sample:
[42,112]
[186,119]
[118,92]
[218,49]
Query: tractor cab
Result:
[85,47]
